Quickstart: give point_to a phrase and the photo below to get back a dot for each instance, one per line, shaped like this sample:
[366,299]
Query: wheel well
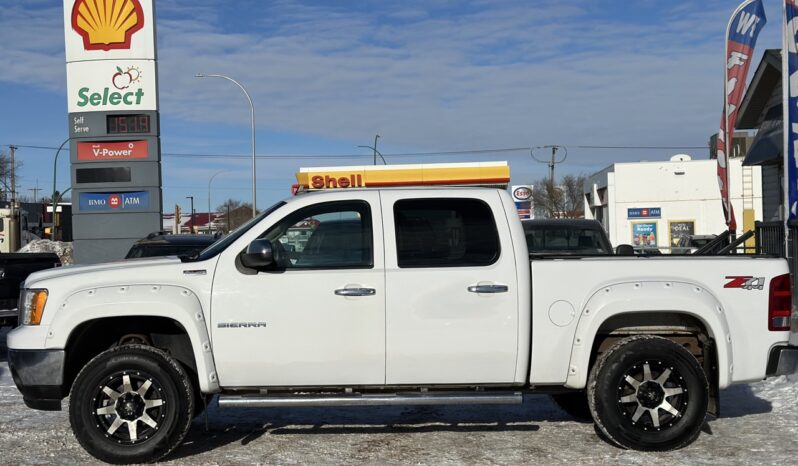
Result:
[683,329]
[95,336]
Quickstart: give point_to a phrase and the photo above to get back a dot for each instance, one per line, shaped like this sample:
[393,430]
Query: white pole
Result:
[252,122]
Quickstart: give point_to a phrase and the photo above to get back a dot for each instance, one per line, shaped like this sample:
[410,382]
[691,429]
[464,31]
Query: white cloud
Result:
[432,75]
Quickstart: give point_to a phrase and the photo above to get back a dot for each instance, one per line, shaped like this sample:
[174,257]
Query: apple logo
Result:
[121,79]
[114,201]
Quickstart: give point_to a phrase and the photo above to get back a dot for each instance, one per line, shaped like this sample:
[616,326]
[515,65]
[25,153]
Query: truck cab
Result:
[391,297]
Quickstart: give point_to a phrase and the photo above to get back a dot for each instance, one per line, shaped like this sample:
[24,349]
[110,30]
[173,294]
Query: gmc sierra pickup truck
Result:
[392,297]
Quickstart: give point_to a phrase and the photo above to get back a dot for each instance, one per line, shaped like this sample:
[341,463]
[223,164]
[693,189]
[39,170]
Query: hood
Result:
[76,271]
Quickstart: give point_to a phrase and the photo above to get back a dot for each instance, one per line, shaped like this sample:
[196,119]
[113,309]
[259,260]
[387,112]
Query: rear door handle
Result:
[488,288]
[356,292]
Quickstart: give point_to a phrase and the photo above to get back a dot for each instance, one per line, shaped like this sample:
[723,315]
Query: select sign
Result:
[138,200]
[106,85]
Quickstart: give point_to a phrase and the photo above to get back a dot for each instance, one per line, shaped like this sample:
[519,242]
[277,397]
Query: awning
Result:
[767,145]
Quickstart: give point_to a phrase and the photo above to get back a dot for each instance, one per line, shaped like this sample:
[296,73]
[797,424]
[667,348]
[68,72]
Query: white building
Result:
[651,204]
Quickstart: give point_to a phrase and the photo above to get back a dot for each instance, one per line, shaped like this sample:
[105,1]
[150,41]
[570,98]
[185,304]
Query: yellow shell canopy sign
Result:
[433,174]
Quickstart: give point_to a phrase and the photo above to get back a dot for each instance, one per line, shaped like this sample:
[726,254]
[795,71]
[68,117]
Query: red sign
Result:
[119,150]
[114,201]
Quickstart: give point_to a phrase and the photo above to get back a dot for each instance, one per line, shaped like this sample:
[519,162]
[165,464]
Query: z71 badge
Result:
[746,283]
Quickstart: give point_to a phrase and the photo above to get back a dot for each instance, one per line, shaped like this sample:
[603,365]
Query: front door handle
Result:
[356,292]
[488,288]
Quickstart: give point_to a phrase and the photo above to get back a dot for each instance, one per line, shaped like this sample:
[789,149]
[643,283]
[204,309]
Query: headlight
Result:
[33,302]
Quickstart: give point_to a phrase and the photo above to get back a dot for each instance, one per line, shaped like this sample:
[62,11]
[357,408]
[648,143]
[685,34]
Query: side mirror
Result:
[259,254]
[624,250]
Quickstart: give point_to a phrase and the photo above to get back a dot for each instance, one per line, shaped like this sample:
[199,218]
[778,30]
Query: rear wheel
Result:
[131,404]
[648,393]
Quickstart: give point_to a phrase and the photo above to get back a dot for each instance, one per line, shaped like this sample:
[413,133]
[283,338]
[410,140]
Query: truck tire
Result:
[575,404]
[648,393]
[131,404]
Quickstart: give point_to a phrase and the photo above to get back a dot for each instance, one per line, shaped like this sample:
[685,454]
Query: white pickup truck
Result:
[390,297]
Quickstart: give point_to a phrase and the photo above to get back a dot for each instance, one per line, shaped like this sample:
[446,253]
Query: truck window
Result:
[328,235]
[445,233]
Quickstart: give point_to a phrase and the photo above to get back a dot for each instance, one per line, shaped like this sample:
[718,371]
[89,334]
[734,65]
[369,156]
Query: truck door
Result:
[319,319]
[452,297]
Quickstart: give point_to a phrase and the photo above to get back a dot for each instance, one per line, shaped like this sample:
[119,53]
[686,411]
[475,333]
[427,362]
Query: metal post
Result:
[191,221]
[377,136]
[252,118]
[55,171]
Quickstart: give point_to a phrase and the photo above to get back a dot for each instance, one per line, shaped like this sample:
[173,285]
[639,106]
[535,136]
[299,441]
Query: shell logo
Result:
[107,24]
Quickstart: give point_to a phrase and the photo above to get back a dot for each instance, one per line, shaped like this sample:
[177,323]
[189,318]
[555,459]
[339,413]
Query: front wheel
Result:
[131,404]
[648,393]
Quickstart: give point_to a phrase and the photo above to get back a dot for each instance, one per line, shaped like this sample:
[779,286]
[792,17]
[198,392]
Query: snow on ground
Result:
[759,426]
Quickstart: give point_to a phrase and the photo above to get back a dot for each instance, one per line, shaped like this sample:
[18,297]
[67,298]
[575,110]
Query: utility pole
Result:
[13,235]
[553,161]
[36,191]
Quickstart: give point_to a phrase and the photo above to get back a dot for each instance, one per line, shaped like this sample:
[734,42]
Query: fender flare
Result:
[172,302]
[648,297]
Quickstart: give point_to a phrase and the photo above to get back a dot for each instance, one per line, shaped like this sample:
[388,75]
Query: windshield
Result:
[566,240]
[222,244]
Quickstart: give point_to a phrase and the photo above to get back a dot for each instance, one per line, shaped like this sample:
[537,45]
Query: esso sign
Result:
[522,193]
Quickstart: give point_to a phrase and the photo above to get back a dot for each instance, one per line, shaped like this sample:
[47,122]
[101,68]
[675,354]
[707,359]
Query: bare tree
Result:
[563,200]
[5,175]
[235,212]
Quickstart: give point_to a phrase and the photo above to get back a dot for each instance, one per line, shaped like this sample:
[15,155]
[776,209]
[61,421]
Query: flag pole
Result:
[785,108]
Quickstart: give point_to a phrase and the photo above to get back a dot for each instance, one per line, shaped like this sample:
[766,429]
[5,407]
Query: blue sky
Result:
[428,76]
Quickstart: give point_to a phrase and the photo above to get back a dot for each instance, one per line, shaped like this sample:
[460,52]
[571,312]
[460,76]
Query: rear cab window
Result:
[445,232]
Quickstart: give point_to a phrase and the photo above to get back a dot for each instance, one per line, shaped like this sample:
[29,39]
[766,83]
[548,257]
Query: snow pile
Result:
[782,392]
[61,249]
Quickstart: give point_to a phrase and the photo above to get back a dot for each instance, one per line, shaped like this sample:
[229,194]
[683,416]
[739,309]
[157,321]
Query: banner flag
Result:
[741,34]
[790,90]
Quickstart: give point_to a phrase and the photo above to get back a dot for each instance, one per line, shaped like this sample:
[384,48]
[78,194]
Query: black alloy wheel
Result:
[648,393]
[131,404]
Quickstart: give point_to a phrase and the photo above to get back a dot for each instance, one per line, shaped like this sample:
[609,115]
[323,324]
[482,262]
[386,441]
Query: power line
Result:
[520,150]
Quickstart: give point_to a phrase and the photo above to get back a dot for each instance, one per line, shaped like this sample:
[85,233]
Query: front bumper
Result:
[39,376]
[783,360]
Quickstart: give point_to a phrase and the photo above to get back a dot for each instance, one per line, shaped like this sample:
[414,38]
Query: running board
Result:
[393,399]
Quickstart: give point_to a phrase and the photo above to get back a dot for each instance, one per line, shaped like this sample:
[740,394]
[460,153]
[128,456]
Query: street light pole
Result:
[209,196]
[55,171]
[191,222]
[252,118]
[376,152]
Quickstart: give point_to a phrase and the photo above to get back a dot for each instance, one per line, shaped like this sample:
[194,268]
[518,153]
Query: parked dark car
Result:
[14,269]
[566,237]
[157,244]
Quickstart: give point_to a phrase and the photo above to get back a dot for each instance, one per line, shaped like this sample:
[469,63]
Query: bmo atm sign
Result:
[112,99]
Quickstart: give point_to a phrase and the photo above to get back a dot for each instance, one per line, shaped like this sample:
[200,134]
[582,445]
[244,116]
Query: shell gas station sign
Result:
[109,30]
[112,100]
[379,176]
